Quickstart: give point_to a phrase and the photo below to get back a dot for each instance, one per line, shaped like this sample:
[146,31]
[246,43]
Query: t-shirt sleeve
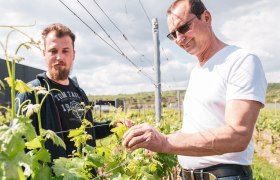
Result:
[246,80]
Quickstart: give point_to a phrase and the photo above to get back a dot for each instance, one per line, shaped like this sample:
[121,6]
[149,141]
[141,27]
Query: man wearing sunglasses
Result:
[225,93]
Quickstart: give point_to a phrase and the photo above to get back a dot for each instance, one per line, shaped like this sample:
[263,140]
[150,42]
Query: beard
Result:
[59,73]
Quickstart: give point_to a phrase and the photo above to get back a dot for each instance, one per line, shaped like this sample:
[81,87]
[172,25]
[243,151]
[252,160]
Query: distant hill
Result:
[273,92]
[147,99]
[169,98]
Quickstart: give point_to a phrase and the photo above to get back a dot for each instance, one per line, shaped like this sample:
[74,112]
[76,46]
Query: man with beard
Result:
[64,107]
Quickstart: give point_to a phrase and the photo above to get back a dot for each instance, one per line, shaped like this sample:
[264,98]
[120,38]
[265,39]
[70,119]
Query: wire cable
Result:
[107,33]
[100,25]
[149,19]
[139,70]
[124,36]
[89,27]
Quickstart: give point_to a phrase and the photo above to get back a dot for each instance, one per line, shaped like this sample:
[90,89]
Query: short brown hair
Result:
[196,7]
[61,31]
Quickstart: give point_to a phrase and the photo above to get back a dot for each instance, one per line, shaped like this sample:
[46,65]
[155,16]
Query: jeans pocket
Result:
[249,177]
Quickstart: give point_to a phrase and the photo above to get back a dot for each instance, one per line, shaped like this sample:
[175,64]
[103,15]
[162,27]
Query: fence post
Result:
[157,70]
[179,105]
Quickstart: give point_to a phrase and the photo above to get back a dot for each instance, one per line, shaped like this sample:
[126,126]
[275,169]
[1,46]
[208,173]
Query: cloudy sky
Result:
[102,69]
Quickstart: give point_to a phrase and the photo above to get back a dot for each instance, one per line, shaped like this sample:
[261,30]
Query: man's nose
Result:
[59,56]
[180,37]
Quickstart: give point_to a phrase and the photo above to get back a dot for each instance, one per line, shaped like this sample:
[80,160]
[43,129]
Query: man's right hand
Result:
[144,136]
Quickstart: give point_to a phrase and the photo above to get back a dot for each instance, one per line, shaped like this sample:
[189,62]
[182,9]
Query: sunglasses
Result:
[182,29]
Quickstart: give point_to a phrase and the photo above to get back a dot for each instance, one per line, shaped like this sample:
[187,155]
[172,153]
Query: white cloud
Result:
[255,27]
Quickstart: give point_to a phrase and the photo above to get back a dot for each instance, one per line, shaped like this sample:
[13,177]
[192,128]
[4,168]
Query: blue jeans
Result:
[248,177]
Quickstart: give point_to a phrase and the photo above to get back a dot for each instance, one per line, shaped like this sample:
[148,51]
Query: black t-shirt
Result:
[70,108]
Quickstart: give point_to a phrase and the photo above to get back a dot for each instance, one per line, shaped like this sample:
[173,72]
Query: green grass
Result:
[263,170]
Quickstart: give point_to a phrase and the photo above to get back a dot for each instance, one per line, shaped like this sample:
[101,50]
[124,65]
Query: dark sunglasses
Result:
[182,29]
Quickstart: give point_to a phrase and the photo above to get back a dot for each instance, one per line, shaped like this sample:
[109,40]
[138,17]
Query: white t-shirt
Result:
[232,73]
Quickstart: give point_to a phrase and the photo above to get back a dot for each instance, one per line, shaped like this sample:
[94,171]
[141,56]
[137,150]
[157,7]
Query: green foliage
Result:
[48,134]
[139,164]
[168,163]
[33,144]
[84,161]
[20,86]
[12,148]
[262,170]
[270,121]
[71,168]
[119,131]
[44,173]
[5,116]
[80,136]
[273,91]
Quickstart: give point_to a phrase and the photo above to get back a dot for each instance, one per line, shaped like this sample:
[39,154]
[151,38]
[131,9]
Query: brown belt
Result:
[217,171]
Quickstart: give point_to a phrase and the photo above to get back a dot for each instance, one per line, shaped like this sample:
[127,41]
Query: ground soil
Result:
[264,148]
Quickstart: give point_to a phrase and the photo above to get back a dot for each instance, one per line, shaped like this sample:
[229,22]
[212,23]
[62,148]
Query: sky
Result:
[102,69]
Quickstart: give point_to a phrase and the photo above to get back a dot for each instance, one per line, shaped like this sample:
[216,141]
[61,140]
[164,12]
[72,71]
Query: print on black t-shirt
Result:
[70,107]
[70,102]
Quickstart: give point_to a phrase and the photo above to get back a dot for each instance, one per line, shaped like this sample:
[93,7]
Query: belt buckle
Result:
[190,175]
[212,176]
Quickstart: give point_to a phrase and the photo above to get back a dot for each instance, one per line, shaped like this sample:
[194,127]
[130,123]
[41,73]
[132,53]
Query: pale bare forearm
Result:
[212,142]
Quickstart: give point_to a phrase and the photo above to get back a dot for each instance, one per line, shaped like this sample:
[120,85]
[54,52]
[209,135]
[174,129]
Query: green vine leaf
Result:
[120,176]
[13,169]
[11,137]
[120,130]
[48,134]
[152,167]
[44,173]
[3,129]
[42,155]
[97,161]
[79,136]
[70,169]
[105,152]
[149,176]
[21,86]
[33,144]
[24,128]
[9,80]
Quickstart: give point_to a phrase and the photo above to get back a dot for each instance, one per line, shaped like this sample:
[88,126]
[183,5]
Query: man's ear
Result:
[207,17]
[74,54]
